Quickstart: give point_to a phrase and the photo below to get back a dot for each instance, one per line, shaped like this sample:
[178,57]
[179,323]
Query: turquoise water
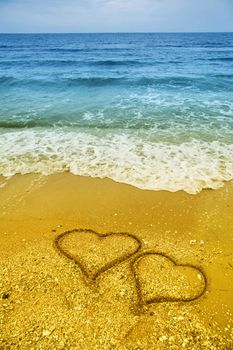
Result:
[151,110]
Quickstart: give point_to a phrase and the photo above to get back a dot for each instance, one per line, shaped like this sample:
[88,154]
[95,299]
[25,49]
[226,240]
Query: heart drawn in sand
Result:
[96,253]
[160,279]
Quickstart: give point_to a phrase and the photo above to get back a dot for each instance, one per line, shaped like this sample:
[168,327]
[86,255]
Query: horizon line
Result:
[126,32]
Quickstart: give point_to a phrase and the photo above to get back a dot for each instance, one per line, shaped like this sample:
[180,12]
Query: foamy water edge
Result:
[189,166]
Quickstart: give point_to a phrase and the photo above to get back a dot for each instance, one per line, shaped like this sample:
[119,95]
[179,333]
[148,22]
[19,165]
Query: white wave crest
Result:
[189,166]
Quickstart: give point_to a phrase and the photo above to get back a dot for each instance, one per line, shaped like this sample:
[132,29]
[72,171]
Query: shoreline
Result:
[191,230]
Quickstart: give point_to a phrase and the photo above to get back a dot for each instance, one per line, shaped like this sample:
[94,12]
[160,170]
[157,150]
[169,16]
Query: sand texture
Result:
[93,264]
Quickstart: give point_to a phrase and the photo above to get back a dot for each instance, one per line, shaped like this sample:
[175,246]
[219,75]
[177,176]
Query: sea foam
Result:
[128,158]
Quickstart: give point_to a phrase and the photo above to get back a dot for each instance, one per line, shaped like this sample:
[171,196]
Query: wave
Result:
[6,79]
[29,63]
[170,80]
[6,46]
[94,81]
[25,123]
[88,49]
[222,76]
[221,59]
[53,63]
[60,81]
[189,166]
[82,121]
[117,63]
[204,82]
[209,122]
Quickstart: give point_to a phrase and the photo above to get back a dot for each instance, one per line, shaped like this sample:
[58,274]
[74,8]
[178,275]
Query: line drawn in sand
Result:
[158,278]
[121,254]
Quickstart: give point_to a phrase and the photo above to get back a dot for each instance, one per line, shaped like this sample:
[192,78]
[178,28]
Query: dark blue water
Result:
[153,110]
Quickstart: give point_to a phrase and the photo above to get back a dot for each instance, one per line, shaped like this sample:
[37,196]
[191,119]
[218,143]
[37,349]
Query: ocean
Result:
[154,110]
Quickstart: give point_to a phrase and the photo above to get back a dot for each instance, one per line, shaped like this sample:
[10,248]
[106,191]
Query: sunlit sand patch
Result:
[46,302]
[51,306]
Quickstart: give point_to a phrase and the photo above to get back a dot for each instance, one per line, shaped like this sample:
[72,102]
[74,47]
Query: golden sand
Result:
[92,264]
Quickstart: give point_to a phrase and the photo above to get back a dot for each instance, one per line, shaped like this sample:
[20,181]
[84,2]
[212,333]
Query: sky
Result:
[30,16]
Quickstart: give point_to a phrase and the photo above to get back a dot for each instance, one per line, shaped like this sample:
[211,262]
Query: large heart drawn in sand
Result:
[96,253]
[160,279]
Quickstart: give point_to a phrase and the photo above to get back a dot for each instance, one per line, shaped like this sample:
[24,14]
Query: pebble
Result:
[193,241]
[46,333]
[5,295]
[163,338]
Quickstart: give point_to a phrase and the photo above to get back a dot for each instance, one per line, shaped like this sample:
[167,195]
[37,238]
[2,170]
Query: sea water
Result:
[153,110]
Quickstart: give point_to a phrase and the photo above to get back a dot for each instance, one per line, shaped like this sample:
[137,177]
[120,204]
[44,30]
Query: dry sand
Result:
[164,281]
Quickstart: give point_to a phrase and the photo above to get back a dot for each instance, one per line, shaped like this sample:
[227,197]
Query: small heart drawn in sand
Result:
[160,279]
[96,253]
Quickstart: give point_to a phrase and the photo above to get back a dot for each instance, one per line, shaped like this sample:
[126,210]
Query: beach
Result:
[116,170]
[93,264]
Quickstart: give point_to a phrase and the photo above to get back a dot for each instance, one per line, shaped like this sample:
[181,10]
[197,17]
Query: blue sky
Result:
[115,15]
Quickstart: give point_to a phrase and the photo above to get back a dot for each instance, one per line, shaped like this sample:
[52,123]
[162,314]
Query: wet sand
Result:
[161,280]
